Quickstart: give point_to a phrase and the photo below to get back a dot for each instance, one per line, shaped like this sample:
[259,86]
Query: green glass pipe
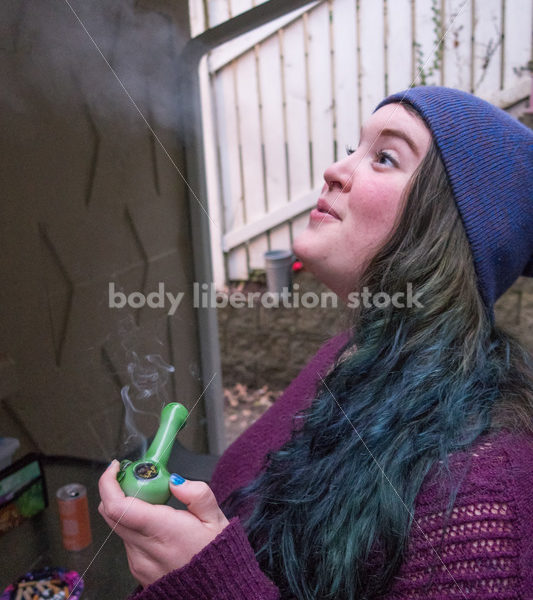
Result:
[147,478]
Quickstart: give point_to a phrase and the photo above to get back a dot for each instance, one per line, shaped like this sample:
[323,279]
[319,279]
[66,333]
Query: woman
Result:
[398,464]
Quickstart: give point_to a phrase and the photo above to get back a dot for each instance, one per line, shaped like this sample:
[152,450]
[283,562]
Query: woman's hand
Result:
[159,539]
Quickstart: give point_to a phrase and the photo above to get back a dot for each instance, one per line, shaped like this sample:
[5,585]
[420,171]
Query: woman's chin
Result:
[303,246]
[309,250]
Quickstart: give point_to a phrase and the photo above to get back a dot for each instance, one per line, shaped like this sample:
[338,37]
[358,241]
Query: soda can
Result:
[74,516]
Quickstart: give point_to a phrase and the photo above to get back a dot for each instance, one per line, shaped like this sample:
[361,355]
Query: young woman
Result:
[399,463]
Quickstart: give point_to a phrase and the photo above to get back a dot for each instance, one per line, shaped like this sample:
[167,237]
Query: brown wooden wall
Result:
[89,198]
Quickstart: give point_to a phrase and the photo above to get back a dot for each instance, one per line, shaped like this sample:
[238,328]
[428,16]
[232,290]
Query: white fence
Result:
[282,102]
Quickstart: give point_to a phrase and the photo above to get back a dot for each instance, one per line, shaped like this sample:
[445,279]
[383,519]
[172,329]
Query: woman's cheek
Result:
[377,212]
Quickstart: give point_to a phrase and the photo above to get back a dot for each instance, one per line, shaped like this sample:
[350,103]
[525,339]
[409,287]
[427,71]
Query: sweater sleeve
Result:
[484,549]
[226,569]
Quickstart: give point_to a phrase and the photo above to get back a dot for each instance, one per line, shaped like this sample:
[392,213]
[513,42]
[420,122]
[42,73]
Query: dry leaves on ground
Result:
[243,406]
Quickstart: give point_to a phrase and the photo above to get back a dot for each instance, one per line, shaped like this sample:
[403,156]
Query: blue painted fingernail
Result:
[176,479]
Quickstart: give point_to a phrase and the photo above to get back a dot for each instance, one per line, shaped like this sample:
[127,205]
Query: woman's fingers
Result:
[128,511]
[198,498]
[108,485]
[114,525]
[111,494]
[159,539]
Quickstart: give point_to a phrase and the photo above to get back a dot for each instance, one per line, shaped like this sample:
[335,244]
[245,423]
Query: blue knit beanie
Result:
[488,156]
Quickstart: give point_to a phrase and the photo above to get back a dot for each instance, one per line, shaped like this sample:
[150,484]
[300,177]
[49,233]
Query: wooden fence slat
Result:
[457,46]
[296,107]
[345,67]
[227,149]
[274,142]
[280,238]
[321,106]
[427,35]
[215,205]
[250,137]
[196,17]
[218,12]
[239,236]
[487,47]
[225,53]
[299,224]
[238,264]
[240,6]
[517,41]
[372,56]
[399,45]
[257,249]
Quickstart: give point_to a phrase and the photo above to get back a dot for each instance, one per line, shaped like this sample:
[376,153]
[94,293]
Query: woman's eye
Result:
[384,158]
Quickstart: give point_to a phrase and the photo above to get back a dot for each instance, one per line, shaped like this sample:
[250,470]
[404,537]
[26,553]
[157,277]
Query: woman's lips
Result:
[324,212]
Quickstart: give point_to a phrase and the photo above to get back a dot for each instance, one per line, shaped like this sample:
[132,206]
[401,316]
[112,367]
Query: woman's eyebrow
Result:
[399,134]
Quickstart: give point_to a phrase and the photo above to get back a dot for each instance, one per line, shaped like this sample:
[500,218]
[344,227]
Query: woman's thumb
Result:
[197,496]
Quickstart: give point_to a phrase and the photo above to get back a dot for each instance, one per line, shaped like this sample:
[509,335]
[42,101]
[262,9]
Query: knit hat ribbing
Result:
[488,157]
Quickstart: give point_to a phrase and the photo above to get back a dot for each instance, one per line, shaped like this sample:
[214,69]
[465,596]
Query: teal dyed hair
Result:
[330,514]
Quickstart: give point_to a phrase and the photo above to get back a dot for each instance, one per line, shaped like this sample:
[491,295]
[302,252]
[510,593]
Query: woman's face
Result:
[361,197]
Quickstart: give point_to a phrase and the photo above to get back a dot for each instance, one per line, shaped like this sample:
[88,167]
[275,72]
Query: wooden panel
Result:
[273,124]
[256,251]
[372,56]
[237,261]
[237,237]
[320,92]
[517,41]
[91,201]
[345,75]
[228,149]
[211,172]
[251,163]
[218,11]
[225,53]
[298,224]
[240,6]
[487,46]
[399,45]
[296,107]
[197,17]
[457,47]
[427,36]
[280,238]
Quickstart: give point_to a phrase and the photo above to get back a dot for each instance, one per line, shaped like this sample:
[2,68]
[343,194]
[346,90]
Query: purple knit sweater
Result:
[484,552]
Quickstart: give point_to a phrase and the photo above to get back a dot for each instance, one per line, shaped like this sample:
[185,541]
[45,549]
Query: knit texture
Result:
[488,156]
[225,568]
[482,551]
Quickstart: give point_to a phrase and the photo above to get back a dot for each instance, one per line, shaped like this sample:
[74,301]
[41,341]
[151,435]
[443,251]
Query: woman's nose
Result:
[338,175]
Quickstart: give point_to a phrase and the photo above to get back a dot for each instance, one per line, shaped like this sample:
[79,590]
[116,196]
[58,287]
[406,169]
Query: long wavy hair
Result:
[332,509]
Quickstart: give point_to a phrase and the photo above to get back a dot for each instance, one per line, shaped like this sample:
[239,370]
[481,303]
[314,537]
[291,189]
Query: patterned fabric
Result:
[488,157]
[48,581]
[482,551]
